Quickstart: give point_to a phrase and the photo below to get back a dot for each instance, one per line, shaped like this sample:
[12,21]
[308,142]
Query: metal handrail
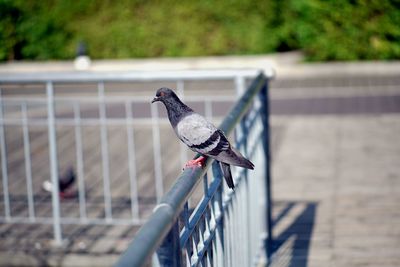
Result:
[164,215]
[62,77]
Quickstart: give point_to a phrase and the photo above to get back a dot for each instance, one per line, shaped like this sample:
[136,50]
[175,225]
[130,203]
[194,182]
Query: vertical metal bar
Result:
[186,215]
[246,215]
[228,237]
[188,252]
[4,168]
[79,162]
[239,85]
[205,185]
[241,245]
[255,211]
[237,215]
[236,231]
[157,152]
[208,109]
[169,252]
[220,247]
[180,87]
[239,131]
[53,163]
[104,152]
[266,145]
[132,161]
[28,165]
[245,223]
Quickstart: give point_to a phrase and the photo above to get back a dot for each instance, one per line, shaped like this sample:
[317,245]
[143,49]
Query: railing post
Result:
[4,170]
[264,99]
[79,162]
[53,163]
[169,252]
[28,164]
[219,206]
[157,152]
[104,152]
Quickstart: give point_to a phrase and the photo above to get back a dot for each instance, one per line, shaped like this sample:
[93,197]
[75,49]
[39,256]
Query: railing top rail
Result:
[84,77]
[151,234]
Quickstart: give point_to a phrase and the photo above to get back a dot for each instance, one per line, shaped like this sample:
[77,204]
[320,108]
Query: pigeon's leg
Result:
[195,162]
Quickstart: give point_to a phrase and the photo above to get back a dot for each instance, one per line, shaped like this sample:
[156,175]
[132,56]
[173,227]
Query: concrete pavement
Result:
[336,172]
[340,178]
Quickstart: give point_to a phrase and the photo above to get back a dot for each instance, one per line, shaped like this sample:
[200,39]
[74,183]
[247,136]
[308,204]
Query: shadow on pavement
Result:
[293,227]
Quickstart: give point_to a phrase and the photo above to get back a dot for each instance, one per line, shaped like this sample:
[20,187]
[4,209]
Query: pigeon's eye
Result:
[162,94]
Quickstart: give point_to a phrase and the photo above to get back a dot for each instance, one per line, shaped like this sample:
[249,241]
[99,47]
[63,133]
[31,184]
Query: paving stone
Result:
[103,245]
[349,167]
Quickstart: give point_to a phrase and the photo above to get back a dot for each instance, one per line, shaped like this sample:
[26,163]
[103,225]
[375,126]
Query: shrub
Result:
[323,29]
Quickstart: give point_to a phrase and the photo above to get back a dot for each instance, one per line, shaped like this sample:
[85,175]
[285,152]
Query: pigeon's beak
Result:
[155,99]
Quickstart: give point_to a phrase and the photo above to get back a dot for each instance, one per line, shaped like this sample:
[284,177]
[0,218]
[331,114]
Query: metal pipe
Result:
[53,164]
[4,167]
[104,152]
[28,165]
[90,77]
[267,155]
[208,109]
[79,162]
[157,152]
[118,99]
[132,160]
[73,220]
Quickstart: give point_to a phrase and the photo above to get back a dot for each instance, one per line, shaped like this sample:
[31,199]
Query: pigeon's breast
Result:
[194,130]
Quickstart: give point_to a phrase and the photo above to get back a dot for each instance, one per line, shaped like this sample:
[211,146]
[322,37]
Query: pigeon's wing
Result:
[197,133]
[233,157]
[203,137]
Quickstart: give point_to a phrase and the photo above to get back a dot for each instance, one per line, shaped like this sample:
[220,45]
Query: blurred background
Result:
[335,119]
[323,30]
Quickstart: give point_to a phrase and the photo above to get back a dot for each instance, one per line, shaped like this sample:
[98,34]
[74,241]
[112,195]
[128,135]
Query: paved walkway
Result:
[336,178]
[339,180]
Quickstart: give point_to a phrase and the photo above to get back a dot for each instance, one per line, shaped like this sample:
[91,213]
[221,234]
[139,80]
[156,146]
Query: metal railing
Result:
[226,228]
[62,137]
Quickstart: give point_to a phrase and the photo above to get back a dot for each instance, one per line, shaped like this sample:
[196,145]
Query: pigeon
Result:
[65,182]
[201,136]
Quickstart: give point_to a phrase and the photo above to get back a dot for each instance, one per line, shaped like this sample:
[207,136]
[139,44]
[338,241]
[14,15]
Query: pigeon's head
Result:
[164,94]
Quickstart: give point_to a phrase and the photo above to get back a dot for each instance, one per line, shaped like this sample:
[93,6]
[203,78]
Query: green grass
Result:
[323,29]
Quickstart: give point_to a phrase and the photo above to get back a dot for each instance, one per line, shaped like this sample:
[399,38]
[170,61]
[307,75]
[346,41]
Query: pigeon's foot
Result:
[195,162]
[68,194]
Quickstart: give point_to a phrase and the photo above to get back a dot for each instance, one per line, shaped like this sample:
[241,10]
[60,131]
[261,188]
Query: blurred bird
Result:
[201,135]
[65,182]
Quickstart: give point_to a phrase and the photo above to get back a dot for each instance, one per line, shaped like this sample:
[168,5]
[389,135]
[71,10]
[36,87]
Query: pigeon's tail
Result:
[226,171]
[234,157]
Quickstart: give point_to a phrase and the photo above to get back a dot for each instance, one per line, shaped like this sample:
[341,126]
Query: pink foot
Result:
[195,162]
[67,195]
